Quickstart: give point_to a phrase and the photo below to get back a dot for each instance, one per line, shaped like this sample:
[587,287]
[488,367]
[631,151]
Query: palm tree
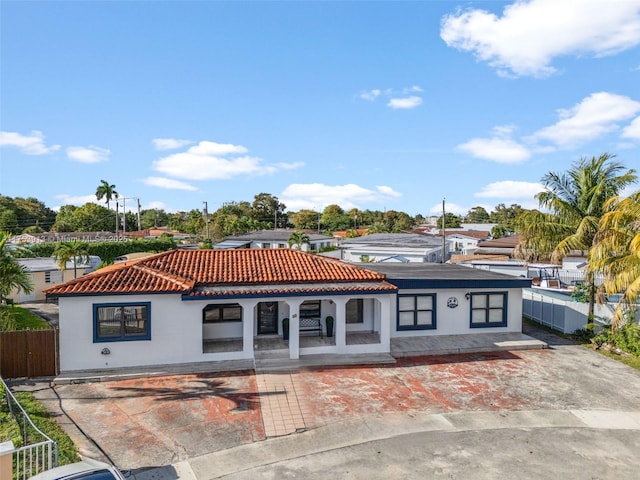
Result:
[297,239]
[576,202]
[106,191]
[617,253]
[13,276]
[74,250]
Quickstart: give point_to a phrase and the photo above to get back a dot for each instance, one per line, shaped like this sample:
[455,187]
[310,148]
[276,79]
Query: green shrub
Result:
[628,338]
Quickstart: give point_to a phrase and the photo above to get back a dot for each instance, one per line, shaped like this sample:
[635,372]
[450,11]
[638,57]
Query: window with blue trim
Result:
[417,312]
[117,322]
[488,309]
[223,312]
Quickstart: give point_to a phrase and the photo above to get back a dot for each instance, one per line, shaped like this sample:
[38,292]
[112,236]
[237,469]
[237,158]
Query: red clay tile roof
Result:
[180,271]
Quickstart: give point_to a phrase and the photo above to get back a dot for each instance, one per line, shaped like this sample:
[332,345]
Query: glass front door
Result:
[267,318]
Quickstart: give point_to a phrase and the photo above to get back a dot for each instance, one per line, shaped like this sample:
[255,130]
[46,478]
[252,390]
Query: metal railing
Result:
[38,452]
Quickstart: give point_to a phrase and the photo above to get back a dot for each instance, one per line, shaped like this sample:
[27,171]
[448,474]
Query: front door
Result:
[267,318]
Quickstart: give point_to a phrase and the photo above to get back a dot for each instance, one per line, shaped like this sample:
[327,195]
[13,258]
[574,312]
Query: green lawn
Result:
[67,451]
[14,317]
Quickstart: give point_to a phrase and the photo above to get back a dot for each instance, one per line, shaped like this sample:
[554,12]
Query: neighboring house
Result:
[188,306]
[499,246]
[465,242]
[377,247]
[44,272]
[276,239]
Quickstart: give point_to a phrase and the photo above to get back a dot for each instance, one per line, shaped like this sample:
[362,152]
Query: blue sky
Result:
[373,105]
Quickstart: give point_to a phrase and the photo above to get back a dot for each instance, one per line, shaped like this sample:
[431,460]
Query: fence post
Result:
[6,459]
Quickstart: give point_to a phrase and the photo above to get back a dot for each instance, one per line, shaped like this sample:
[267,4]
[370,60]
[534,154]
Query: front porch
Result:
[337,325]
[264,343]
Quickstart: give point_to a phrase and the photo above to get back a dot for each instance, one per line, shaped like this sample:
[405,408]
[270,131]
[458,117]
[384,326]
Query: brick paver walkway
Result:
[282,413]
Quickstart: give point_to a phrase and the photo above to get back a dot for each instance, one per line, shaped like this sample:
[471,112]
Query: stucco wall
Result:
[456,321]
[176,334]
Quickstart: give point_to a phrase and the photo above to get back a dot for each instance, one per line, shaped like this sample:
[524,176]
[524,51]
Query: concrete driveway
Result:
[200,418]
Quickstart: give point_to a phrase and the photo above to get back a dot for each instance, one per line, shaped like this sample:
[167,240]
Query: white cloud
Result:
[510,189]
[216,161]
[168,183]
[90,154]
[32,144]
[396,99]
[449,208]
[155,205]
[496,149]
[531,34]
[596,115]
[413,89]
[213,148]
[316,196]
[404,103]
[632,130]
[169,143]
[77,200]
[370,95]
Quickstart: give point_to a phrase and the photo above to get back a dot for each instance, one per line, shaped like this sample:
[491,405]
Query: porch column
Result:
[341,322]
[248,322]
[294,329]
[385,320]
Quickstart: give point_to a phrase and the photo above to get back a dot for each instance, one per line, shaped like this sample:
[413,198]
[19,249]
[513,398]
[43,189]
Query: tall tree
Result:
[76,251]
[451,220]
[397,222]
[12,274]
[478,215]
[576,202]
[106,191]
[305,219]
[153,217]
[334,218]
[267,208]
[91,218]
[616,253]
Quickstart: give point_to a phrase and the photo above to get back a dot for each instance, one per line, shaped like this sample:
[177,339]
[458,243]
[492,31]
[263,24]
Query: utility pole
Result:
[206,217]
[444,236]
[124,215]
[139,222]
[117,220]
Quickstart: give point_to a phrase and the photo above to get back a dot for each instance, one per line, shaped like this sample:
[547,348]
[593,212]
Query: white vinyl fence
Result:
[561,312]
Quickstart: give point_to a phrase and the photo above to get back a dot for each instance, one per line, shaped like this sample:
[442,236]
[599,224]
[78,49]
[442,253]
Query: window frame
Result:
[123,337]
[415,310]
[306,314]
[221,317]
[488,308]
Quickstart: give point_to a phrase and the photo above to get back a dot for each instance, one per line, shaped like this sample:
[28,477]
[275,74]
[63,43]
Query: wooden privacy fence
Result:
[29,353]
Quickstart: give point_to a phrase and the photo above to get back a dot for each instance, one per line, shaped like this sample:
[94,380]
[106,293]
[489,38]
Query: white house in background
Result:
[394,247]
[465,242]
[276,239]
[188,306]
[44,272]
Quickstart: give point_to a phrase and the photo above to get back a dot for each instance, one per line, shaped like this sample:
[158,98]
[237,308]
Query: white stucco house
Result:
[44,272]
[276,239]
[187,306]
[403,247]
